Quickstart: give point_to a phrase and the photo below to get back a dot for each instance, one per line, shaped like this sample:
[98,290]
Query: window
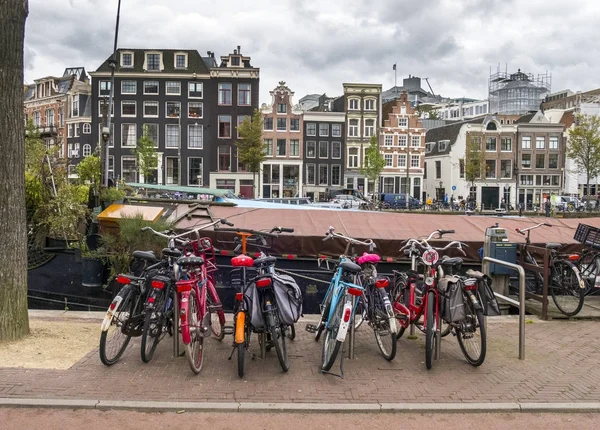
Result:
[311,149]
[476,141]
[225,94]
[151,88]
[526,161]
[370,104]
[268,150]
[268,124]
[526,180]
[461,168]
[87,128]
[129,169]
[281,124]
[180,61]
[195,90]
[540,161]
[388,185]
[403,122]
[76,134]
[336,175]
[505,169]
[388,140]
[195,135]
[173,88]
[102,106]
[172,133]
[311,129]
[323,174]
[235,61]
[152,132]
[553,161]
[70,130]
[173,109]
[402,160]
[336,150]
[195,109]
[281,108]
[172,170]
[389,160]
[402,140]
[37,121]
[49,117]
[195,170]
[128,108]
[128,87]
[506,144]
[295,124]
[240,120]
[324,130]
[540,142]
[244,94]
[353,104]
[323,149]
[294,148]
[490,143]
[415,161]
[310,174]
[353,128]
[153,62]
[104,88]
[281,144]
[225,126]
[61,117]
[553,142]
[438,170]
[75,106]
[415,141]
[87,149]
[336,130]
[526,142]
[128,134]
[352,157]
[224,157]
[126,59]
[555,180]
[369,127]
[151,109]
[490,169]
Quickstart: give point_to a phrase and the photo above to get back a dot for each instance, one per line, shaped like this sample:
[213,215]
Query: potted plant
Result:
[64,216]
[111,195]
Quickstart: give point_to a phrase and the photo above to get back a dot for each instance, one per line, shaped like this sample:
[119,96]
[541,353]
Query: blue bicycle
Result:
[341,299]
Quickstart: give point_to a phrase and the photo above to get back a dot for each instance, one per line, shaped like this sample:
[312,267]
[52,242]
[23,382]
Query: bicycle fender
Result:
[578,274]
[183,320]
[240,328]
[112,309]
[343,329]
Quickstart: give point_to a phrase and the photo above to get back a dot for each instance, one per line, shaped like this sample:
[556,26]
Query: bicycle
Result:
[566,285]
[415,297]
[201,312]
[257,308]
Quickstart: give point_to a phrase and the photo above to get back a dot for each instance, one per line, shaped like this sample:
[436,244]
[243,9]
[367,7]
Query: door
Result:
[490,196]
[247,188]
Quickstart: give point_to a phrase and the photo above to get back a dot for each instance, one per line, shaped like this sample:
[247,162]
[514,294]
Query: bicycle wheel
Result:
[290,332]
[217,316]
[240,319]
[331,346]
[278,337]
[471,337]
[152,334]
[386,340]
[194,351]
[565,287]
[360,314]
[401,294]
[430,330]
[324,314]
[115,338]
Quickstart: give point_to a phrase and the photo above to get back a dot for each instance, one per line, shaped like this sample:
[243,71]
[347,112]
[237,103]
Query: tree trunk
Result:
[14,321]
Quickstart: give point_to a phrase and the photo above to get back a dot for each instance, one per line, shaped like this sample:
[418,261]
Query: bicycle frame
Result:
[339,291]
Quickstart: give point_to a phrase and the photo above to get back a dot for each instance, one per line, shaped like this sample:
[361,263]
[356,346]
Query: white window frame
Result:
[355,157]
[412,161]
[371,101]
[100,109]
[169,180]
[188,172]
[326,134]
[336,127]
[292,130]
[415,141]
[75,101]
[219,127]
[196,83]
[551,140]
[326,175]
[128,158]
[161,65]
[134,135]
[128,102]
[249,93]
[355,128]
[340,145]
[170,126]
[357,102]
[298,152]
[327,149]
[308,142]
[541,139]
[87,128]
[401,159]
[123,53]
[70,130]
[219,87]
[388,140]
[156,141]
[167,93]
[129,81]
[369,130]
[307,128]
[157,88]
[86,148]
[314,166]
[185,55]
[402,140]
[76,130]
[402,122]
[389,160]
[151,103]
[339,166]
[189,134]
[526,139]
[177,103]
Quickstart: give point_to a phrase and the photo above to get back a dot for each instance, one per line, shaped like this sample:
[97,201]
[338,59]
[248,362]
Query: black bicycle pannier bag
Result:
[452,303]
[253,306]
[288,297]
[487,297]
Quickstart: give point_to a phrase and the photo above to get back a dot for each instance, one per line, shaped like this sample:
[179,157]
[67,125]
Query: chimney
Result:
[235,51]
[239,50]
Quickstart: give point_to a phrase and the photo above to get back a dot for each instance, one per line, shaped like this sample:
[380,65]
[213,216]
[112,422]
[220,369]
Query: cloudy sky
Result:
[316,45]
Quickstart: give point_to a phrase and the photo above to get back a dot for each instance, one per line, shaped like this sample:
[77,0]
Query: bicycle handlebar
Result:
[330,234]
[523,230]
[169,235]
[273,233]
[423,243]
[454,244]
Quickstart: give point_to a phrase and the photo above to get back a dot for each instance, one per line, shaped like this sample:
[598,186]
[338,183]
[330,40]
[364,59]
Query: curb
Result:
[151,406]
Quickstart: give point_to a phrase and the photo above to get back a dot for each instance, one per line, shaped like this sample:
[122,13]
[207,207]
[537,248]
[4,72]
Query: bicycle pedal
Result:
[228,329]
[311,328]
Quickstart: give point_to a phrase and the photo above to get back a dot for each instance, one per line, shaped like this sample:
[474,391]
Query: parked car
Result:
[398,201]
[568,203]
[347,200]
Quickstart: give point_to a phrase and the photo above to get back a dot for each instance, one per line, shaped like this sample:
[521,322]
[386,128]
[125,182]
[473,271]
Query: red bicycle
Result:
[416,295]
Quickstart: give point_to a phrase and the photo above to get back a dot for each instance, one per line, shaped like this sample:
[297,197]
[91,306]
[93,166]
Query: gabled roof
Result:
[195,62]
[525,119]
[448,132]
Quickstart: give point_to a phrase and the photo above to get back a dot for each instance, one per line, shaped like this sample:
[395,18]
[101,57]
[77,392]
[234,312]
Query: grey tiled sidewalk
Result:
[562,365]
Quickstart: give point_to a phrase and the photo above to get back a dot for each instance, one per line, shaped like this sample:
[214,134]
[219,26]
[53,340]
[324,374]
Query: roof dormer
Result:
[127,59]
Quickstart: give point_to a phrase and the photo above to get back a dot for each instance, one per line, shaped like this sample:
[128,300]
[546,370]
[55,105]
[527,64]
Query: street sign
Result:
[453,187]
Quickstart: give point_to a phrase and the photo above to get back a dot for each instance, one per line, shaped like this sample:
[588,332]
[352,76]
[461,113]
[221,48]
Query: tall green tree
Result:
[250,145]
[145,155]
[584,146]
[14,321]
[474,162]
[374,163]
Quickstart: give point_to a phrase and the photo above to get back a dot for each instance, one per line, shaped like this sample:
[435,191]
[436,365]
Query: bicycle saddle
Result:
[455,261]
[190,261]
[168,252]
[264,261]
[145,255]
[351,267]
[553,245]
[475,274]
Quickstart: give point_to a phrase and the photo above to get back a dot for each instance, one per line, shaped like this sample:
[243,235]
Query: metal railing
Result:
[520,304]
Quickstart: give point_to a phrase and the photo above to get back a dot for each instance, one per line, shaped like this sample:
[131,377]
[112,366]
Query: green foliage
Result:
[474,161]
[250,145]
[81,193]
[117,246]
[584,145]
[89,170]
[64,215]
[374,161]
[111,194]
[145,154]
[431,111]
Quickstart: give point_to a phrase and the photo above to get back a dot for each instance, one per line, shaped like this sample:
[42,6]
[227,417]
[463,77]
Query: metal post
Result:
[520,304]
[351,341]
[176,311]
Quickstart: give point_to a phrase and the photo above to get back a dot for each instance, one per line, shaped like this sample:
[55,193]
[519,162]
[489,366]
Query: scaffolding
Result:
[517,93]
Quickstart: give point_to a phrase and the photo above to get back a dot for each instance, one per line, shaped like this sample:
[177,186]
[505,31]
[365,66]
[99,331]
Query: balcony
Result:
[49,130]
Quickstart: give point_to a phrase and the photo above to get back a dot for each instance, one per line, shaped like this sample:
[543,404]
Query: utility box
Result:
[496,246]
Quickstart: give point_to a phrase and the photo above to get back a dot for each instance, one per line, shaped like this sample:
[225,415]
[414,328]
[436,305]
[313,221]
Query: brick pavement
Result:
[561,365]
